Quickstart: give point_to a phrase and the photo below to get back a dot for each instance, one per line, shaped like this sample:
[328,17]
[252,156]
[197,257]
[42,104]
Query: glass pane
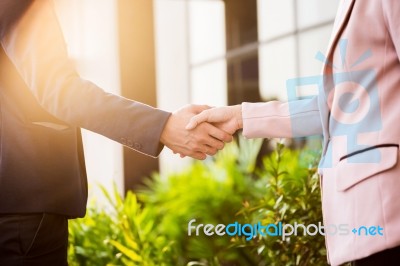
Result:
[310,43]
[311,12]
[243,79]
[241,23]
[206,30]
[277,64]
[275,18]
[208,83]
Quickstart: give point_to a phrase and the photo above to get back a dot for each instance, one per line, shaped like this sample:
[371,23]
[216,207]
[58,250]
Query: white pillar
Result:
[189,33]
[172,62]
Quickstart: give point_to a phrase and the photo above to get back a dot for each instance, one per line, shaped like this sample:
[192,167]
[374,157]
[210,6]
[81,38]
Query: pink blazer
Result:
[358,112]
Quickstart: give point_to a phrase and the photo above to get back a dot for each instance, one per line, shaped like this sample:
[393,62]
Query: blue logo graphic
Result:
[350,97]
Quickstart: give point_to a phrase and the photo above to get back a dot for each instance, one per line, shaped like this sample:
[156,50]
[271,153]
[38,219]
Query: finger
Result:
[210,150]
[198,156]
[213,143]
[197,119]
[218,133]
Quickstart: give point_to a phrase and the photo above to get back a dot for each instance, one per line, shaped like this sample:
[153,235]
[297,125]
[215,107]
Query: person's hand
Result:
[198,142]
[227,118]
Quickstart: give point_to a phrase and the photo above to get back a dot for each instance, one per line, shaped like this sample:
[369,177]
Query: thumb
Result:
[196,120]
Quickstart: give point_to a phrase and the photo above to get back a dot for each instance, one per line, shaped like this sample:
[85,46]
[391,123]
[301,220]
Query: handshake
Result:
[199,130]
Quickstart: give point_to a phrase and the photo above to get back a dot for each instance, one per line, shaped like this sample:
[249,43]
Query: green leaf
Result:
[126,251]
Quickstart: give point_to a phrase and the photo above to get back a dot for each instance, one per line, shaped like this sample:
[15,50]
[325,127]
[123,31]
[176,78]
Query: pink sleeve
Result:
[261,120]
[281,119]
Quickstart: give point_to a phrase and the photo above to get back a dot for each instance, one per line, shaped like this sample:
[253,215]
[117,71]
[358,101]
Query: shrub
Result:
[126,235]
[151,229]
[291,196]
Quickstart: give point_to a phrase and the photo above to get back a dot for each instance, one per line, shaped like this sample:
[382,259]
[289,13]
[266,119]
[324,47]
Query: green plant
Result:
[124,235]
[150,227]
[291,196]
[141,244]
[88,239]
[212,193]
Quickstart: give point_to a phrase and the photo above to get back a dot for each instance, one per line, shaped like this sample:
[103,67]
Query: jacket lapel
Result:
[342,17]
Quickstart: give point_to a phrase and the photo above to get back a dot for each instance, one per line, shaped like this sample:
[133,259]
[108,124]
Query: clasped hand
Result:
[198,130]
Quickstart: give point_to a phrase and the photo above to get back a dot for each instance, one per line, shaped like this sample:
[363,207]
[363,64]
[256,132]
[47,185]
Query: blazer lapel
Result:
[342,17]
[341,20]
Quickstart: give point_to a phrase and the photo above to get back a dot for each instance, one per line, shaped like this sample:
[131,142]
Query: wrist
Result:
[238,115]
[164,134]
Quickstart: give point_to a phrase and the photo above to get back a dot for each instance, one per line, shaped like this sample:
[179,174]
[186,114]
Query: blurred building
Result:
[173,52]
